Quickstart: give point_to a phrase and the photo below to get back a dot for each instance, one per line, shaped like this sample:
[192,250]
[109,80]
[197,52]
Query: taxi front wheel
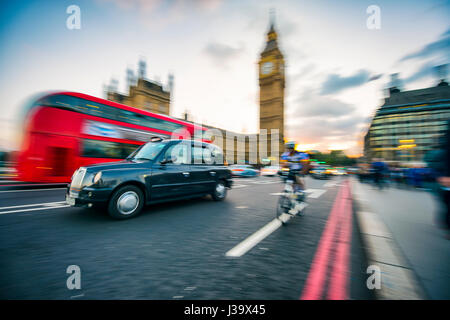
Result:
[126,202]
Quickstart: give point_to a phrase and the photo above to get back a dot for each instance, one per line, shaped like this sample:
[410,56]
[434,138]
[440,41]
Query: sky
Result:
[337,69]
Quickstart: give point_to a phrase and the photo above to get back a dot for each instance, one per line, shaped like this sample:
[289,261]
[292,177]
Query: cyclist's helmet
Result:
[290,145]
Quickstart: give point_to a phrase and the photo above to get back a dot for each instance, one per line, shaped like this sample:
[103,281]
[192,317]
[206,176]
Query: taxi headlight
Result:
[97,177]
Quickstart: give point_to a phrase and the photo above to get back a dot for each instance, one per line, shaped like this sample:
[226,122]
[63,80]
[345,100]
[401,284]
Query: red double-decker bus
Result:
[66,130]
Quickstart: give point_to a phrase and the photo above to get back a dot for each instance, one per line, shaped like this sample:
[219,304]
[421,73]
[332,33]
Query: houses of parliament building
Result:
[263,147]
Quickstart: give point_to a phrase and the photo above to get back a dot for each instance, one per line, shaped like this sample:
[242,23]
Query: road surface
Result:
[184,249]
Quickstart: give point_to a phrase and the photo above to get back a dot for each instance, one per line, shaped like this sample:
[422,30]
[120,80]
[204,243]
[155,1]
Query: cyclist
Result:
[298,164]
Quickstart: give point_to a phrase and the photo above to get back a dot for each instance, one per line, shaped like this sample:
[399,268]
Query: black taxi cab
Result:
[158,171]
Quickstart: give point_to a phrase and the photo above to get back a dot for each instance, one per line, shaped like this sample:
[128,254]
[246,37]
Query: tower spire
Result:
[271,42]
[272,34]
[272,19]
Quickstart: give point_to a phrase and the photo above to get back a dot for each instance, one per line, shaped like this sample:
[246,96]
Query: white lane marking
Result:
[259,182]
[315,193]
[254,239]
[190,288]
[35,209]
[32,190]
[246,245]
[330,184]
[312,193]
[33,205]
[241,207]
[333,183]
[56,204]
[265,182]
[243,180]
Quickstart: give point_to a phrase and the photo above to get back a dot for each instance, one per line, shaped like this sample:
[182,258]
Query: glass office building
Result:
[409,124]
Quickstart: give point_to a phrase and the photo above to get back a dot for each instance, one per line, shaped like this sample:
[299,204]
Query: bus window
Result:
[154,123]
[128,149]
[147,121]
[108,112]
[106,149]
[94,109]
[58,100]
[131,117]
[99,110]
[161,124]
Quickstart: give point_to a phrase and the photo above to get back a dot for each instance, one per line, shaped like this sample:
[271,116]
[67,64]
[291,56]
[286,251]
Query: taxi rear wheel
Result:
[126,202]
[220,191]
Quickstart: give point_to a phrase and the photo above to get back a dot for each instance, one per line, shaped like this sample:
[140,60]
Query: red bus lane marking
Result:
[317,274]
[338,288]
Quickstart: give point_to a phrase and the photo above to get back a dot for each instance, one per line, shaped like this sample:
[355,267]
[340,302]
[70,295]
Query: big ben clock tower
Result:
[271,88]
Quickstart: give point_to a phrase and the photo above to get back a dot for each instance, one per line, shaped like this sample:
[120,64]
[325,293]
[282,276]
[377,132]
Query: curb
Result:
[398,279]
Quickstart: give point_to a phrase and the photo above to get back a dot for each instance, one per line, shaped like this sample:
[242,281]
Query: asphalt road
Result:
[174,250]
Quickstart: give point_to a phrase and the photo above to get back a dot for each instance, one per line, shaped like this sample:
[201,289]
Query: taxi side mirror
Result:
[165,161]
[168,160]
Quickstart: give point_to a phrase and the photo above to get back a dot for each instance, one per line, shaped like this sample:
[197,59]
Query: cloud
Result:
[222,53]
[208,5]
[335,82]
[160,14]
[323,121]
[375,77]
[435,53]
[426,70]
[151,5]
[323,131]
[310,105]
[305,71]
[147,6]
[440,47]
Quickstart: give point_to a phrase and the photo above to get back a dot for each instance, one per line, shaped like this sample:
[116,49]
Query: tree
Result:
[334,158]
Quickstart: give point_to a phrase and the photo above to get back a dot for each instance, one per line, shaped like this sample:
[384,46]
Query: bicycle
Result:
[288,204]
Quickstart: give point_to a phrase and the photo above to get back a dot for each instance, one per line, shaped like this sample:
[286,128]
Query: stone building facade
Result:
[146,95]
[409,125]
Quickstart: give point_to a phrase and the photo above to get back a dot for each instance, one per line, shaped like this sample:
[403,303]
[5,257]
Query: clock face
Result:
[267,67]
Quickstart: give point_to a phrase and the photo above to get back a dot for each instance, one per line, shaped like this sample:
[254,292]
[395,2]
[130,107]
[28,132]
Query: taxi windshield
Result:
[148,151]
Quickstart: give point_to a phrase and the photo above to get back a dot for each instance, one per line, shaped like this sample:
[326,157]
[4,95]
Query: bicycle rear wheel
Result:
[283,206]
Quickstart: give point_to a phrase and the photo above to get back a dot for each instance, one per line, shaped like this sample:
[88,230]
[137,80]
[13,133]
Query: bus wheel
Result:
[126,202]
